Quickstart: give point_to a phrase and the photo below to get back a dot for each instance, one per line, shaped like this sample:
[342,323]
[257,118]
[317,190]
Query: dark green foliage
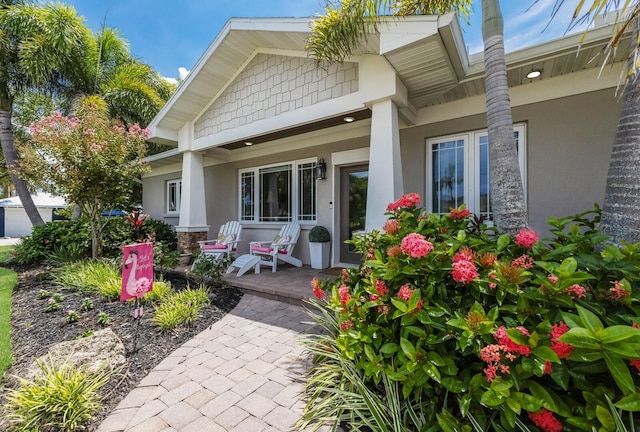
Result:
[448,325]
[319,234]
[64,241]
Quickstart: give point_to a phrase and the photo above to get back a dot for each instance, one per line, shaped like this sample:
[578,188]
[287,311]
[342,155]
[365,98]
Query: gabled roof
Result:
[427,52]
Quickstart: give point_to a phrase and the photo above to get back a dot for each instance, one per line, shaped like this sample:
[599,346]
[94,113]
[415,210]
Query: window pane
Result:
[275,194]
[247,189]
[485,201]
[173,196]
[306,192]
[448,175]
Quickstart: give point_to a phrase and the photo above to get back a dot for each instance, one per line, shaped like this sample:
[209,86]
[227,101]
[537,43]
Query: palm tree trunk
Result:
[507,196]
[621,210]
[11,160]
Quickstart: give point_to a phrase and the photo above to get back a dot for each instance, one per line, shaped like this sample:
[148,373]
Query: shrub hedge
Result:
[455,326]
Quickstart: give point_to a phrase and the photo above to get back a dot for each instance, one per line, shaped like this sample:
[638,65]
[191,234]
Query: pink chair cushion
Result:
[214,247]
[266,249]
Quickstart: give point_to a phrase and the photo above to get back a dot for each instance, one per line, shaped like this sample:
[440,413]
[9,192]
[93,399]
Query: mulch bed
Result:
[34,331]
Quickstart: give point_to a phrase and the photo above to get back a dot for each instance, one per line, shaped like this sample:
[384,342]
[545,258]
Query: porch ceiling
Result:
[555,58]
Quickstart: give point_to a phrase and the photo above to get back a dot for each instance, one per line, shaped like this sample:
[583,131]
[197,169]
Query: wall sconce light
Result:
[321,169]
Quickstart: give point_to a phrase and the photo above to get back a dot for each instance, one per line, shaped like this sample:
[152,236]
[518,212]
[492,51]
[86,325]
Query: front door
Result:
[353,208]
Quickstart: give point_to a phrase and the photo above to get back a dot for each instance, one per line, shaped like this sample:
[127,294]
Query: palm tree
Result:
[621,210]
[133,91]
[40,47]
[336,35]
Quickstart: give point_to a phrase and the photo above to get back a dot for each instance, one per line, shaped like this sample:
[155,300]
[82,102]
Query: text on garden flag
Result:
[137,270]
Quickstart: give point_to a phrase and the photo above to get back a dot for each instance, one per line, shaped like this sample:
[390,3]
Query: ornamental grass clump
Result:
[465,328]
[60,397]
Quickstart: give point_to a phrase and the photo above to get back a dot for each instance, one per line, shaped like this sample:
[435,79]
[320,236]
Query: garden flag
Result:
[137,271]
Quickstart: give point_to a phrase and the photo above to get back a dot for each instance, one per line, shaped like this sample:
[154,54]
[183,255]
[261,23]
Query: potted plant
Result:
[319,239]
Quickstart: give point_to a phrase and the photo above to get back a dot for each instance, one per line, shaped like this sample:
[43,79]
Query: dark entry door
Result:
[1,221]
[353,208]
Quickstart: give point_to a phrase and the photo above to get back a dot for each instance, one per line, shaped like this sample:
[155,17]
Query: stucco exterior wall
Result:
[271,85]
[569,151]
[569,142]
[154,195]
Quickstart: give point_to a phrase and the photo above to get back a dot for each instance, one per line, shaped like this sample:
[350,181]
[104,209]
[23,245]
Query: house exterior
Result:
[255,119]
[14,221]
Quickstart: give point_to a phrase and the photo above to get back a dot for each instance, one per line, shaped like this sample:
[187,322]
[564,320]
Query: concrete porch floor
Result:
[289,284]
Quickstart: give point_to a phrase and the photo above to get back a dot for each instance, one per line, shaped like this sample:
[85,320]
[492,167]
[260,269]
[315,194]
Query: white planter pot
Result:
[319,253]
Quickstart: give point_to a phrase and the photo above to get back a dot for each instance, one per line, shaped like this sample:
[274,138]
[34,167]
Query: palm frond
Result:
[345,25]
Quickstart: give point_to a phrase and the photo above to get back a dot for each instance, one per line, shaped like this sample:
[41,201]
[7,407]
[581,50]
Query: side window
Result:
[174,192]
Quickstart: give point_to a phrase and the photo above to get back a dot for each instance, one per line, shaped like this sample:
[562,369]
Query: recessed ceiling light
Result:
[534,74]
[349,119]
[248,143]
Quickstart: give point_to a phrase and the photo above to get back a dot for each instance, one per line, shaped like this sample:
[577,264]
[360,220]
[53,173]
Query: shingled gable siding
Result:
[271,85]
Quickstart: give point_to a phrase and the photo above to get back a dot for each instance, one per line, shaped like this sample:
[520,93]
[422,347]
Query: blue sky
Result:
[170,35]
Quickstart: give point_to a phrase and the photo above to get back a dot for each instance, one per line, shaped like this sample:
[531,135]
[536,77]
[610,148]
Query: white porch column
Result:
[192,225]
[385,167]
[193,212]
[384,93]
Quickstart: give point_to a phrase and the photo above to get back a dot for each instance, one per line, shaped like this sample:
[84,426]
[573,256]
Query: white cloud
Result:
[183,72]
[170,80]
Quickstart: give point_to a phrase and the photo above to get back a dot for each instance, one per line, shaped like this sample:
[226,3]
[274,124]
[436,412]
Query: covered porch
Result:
[289,284]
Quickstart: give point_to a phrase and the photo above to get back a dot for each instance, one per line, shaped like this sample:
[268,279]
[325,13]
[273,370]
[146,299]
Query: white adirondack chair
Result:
[280,248]
[224,244]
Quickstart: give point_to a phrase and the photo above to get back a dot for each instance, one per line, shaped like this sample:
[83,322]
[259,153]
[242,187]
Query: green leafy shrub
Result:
[46,239]
[319,234]
[209,267]
[181,308]
[480,330]
[65,241]
[62,397]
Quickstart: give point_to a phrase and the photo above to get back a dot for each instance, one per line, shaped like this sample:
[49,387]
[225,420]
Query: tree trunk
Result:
[507,196]
[621,210]
[11,160]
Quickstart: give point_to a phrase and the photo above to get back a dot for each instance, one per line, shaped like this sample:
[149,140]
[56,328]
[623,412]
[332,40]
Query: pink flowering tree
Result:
[89,159]
[449,325]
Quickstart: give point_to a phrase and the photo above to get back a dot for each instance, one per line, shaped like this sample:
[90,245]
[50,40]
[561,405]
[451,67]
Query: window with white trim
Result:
[278,193]
[458,171]
[174,193]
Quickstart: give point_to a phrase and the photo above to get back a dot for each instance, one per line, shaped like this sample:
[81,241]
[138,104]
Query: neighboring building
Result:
[405,114]
[14,221]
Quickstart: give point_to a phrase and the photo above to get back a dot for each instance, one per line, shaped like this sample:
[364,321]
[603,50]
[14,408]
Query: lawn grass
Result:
[5,252]
[8,280]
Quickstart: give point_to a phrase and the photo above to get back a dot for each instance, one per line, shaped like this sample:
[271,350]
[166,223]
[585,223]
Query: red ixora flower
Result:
[618,291]
[343,292]
[503,339]
[405,292]
[562,349]
[392,226]
[464,271]
[545,420]
[527,238]
[317,288]
[416,245]
[381,287]
[346,325]
[408,200]
[460,212]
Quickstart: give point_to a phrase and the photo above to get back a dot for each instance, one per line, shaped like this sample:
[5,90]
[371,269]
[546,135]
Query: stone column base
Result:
[188,241]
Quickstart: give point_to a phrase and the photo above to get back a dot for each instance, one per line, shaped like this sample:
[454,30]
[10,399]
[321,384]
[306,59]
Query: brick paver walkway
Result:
[245,373]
